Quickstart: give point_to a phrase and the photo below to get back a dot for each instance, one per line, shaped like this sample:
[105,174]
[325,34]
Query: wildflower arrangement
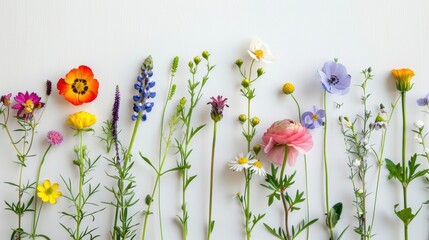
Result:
[335,80]
[183,142]
[283,141]
[405,171]
[311,119]
[80,82]
[124,223]
[218,104]
[362,154]
[283,144]
[249,164]
[165,143]
[29,110]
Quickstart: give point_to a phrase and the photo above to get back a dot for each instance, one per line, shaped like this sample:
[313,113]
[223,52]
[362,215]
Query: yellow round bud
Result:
[255,121]
[288,88]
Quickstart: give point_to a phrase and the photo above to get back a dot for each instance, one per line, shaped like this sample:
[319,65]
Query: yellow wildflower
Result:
[81,120]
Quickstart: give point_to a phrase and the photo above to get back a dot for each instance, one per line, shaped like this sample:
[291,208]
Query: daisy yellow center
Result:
[242,160]
[28,106]
[259,54]
[80,86]
[258,164]
[315,116]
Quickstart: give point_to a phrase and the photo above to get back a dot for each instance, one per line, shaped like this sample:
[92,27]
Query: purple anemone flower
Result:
[334,78]
[423,102]
[313,119]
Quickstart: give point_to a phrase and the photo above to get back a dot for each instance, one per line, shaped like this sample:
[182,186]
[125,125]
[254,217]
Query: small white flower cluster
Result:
[244,162]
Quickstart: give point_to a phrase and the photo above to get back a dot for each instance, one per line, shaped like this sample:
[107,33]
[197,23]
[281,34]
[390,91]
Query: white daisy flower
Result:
[258,168]
[241,162]
[258,50]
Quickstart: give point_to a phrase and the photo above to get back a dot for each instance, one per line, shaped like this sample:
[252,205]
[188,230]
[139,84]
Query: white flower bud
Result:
[419,124]
[356,162]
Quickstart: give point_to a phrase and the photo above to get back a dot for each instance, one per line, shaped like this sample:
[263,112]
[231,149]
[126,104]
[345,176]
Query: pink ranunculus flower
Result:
[290,133]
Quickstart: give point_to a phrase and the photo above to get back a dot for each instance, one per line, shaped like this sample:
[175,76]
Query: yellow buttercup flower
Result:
[48,192]
[403,79]
[81,120]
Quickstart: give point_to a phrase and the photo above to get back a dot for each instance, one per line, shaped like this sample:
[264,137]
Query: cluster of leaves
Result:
[278,185]
[80,201]
[412,172]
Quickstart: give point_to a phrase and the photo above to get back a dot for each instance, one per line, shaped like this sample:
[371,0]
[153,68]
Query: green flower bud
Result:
[191,64]
[242,118]
[257,149]
[148,199]
[197,60]
[206,55]
[260,71]
[239,62]
[255,121]
[245,83]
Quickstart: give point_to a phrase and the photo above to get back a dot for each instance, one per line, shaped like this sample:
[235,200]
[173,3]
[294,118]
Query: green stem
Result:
[209,231]
[81,180]
[34,228]
[325,162]
[404,169]
[282,191]
[307,202]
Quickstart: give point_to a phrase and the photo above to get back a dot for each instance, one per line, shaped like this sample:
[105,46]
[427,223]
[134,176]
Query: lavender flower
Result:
[334,78]
[313,119]
[54,137]
[218,104]
[115,119]
[423,102]
[143,86]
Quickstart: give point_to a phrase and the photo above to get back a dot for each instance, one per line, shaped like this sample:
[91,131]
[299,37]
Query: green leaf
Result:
[406,215]
[334,215]
[395,170]
[211,227]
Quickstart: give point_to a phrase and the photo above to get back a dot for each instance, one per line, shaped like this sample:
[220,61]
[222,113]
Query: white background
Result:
[42,40]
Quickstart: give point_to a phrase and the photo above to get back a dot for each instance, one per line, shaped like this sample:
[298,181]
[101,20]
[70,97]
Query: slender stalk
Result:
[282,192]
[307,203]
[209,231]
[80,193]
[404,143]
[34,228]
[325,161]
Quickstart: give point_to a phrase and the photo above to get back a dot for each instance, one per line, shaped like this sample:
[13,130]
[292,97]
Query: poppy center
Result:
[79,86]
[28,106]
[259,54]
[242,160]
[334,80]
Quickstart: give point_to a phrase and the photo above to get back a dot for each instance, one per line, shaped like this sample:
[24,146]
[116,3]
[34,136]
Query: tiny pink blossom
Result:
[290,133]
[54,137]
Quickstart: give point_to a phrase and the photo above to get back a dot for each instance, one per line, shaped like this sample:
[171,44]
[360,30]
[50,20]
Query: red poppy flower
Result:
[79,86]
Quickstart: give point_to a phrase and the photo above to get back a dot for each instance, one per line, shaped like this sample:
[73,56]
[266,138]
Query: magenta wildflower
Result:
[5,99]
[28,103]
[54,137]
[218,104]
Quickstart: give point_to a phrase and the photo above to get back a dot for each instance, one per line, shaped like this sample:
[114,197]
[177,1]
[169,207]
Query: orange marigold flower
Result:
[79,86]
[403,79]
